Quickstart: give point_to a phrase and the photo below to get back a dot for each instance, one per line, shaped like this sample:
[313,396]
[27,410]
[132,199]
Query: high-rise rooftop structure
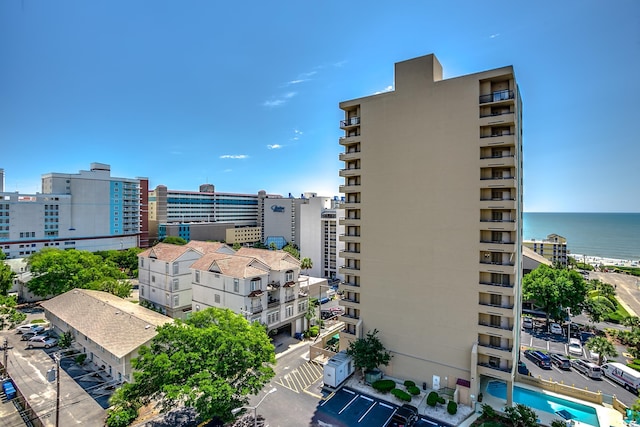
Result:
[433,224]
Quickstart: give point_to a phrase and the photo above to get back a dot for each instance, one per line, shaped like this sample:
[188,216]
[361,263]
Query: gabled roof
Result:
[529,253]
[165,252]
[238,266]
[206,247]
[276,260]
[117,325]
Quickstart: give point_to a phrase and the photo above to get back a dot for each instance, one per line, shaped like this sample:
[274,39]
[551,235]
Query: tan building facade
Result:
[553,248]
[433,224]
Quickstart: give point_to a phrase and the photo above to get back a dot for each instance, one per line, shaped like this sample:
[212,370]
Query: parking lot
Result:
[348,408]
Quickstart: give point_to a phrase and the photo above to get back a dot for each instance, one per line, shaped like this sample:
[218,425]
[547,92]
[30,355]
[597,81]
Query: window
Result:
[166,268]
[176,300]
[289,310]
[236,285]
[176,285]
[141,262]
[302,306]
[256,284]
[289,276]
[141,291]
[153,279]
[217,298]
[197,276]
[273,317]
[176,267]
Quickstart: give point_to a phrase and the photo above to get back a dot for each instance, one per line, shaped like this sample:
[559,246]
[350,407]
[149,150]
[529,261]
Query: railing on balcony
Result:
[493,325]
[499,113]
[351,284]
[501,95]
[347,331]
[349,218]
[497,220]
[350,267]
[351,300]
[492,366]
[349,136]
[499,242]
[496,157]
[353,121]
[256,309]
[350,316]
[496,347]
[350,169]
[509,307]
[496,199]
[289,298]
[495,135]
[496,177]
[497,262]
[350,235]
[504,285]
[273,302]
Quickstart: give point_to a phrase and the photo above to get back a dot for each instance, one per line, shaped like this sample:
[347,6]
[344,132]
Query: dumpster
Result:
[9,390]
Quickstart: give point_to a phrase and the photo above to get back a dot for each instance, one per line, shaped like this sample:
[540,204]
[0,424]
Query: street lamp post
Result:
[255,408]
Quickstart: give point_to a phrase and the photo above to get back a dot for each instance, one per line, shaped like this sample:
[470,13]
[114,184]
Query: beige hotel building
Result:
[433,224]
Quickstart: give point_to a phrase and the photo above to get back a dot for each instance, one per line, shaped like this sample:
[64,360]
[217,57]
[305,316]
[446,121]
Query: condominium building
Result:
[165,276]
[433,224]
[90,210]
[553,248]
[261,284]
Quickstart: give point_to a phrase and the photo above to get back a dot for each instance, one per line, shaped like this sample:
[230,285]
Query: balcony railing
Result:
[501,95]
[499,242]
[495,135]
[350,235]
[501,113]
[256,309]
[347,331]
[497,177]
[496,157]
[273,303]
[497,220]
[492,325]
[509,349]
[503,285]
[353,121]
[353,300]
[289,298]
[492,366]
[496,199]
[351,284]
[497,262]
[496,305]
[350,169]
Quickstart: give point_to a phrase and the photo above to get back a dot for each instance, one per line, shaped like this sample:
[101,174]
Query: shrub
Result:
[401,394]
[433,398]
[441,400]
[452,407]
[413,390]
[38,321]
[488,412]
[314,331]
[80,358]
[121,417]
[409,383]
[384,386]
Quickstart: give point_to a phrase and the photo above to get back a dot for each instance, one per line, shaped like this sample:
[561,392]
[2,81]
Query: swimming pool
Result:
[547,403]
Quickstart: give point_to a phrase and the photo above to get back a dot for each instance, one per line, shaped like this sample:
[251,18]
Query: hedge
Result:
[413,390]
[452,407]
[433,399]
[401,394]
[384,386]
[409,383]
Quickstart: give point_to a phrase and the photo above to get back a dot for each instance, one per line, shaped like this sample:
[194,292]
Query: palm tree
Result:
[306,263]
[602,346]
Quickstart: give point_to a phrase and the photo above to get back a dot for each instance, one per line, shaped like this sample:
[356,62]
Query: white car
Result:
[556,329]
[30,327]
[41,341]
[575,347]
[527,323]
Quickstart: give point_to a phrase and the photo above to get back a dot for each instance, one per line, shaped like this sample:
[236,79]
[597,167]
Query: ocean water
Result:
[608,235]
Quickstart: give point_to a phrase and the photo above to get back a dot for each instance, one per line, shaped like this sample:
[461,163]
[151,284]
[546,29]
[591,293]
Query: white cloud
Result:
[295,82]
[274,146]
[234,156]
[493,36]
[279,101]
[297,132]
[386,89]
[227,170]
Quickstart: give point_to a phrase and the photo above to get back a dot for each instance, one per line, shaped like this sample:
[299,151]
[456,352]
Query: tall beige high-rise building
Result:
[433,224]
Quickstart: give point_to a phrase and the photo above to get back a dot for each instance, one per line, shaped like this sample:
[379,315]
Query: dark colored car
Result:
[561,361]
[522,368]
[405,416]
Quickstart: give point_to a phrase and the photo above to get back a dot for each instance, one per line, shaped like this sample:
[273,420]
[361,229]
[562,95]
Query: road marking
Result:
[301,378]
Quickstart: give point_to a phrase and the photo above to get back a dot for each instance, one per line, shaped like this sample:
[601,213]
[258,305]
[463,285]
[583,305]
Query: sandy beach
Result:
[597,261]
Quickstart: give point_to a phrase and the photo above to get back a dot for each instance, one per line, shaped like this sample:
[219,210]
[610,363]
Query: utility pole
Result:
[57,357]
[6,354]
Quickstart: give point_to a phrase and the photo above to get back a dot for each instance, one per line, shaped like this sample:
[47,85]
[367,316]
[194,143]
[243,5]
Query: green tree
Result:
[521,415]
[210,362]
[174,240]
[236,246]
[6,277]
[273,246]
[293,250]
[9,316]
[119,288]
[66,339]
[368,353]
[554,289]
[596,310]
[602,346]
[56,271]
[306,263]
[260,245]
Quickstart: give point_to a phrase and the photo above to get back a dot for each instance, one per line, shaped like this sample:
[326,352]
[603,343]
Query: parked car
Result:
[575,347]
[522,368]
[561,361]
[39,342]
[527,323]
[539,358]
[28,335]
[587,368]
[556,329]
[30,327]
[406,416]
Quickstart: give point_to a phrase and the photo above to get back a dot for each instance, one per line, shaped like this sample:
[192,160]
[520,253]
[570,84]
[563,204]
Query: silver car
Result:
[40,341]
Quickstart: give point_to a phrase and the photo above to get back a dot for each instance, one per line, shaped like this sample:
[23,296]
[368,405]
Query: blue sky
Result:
[245,95]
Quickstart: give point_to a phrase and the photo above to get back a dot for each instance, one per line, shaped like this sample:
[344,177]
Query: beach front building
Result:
[553,248]
[205,206]
[90,210]
[433,224]
[260,284]
[164,275]
[108,329]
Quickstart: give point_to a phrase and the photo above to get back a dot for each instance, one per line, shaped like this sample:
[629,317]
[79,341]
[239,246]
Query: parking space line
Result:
[347,405]
[367,411]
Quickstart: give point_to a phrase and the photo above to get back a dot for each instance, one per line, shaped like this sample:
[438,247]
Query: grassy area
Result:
[38,321]
[619,314]
[634,271]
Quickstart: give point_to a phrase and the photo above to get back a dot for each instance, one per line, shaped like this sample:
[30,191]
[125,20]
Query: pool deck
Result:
[607,416]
